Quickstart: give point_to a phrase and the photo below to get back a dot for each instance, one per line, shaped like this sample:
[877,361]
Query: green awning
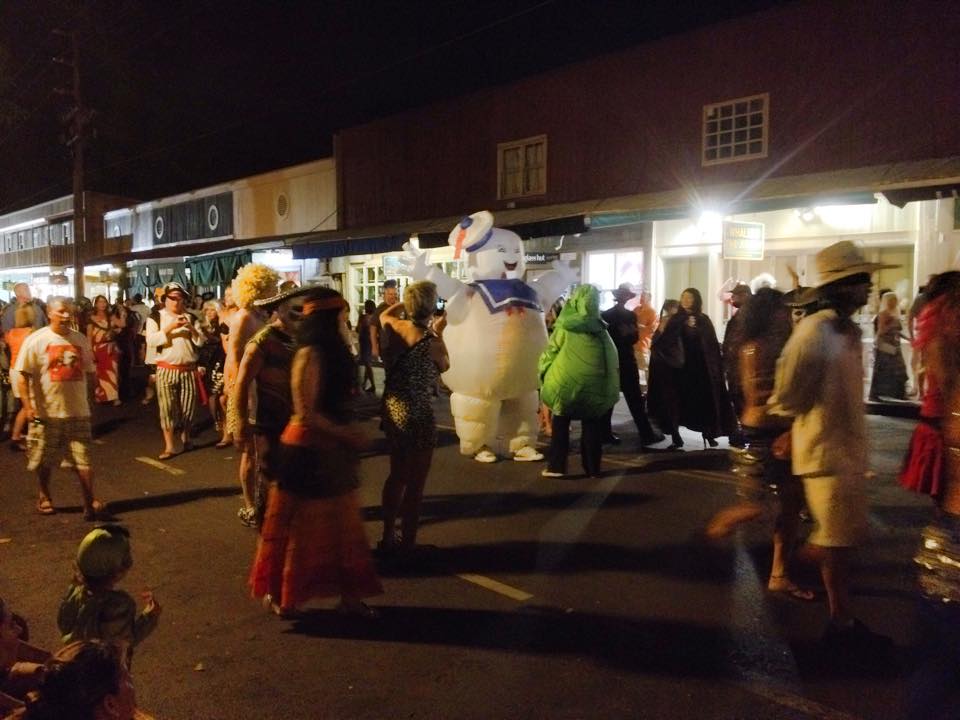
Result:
[217,269]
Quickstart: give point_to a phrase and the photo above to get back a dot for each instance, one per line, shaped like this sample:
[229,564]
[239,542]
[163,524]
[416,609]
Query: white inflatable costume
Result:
[495,334]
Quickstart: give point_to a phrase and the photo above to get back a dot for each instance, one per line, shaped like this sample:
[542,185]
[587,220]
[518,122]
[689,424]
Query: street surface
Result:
[546,598]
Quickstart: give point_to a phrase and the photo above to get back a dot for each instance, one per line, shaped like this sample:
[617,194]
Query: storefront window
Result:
[608,270]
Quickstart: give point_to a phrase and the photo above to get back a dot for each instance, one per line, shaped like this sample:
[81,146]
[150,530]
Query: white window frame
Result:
[713,126]
[502,148]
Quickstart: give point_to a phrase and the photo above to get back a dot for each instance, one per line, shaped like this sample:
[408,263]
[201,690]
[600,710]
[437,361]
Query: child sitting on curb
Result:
[92,607]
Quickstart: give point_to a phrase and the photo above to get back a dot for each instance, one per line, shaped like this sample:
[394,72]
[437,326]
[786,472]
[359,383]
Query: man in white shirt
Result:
[177,339]
[55,372]
[819,384]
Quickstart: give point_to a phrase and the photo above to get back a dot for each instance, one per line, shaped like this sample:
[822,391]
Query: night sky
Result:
[189,93]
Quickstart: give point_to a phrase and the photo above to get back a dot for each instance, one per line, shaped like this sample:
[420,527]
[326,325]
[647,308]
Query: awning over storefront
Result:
[217,269]
[526,222]
[905,181]
[143,278]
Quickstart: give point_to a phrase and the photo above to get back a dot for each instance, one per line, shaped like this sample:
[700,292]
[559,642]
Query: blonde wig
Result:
[254,282]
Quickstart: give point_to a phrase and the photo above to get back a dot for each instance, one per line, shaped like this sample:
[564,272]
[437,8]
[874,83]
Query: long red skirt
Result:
[923,466]
[312,547]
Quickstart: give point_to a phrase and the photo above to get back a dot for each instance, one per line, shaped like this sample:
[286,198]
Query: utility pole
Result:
[78,119]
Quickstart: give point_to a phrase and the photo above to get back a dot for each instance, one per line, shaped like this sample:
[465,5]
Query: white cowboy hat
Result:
[843,259]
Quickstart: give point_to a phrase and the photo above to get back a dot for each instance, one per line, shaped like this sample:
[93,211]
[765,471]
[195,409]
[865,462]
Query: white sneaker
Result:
[485,456]
[527,454]
[552,474]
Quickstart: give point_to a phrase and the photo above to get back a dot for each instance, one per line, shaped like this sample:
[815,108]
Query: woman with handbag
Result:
[312,542]
[889,370]
[762,466]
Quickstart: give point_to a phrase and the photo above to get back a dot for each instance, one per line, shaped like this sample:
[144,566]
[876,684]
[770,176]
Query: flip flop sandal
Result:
[45,507]
[166,455]
[794,592]
[96,510]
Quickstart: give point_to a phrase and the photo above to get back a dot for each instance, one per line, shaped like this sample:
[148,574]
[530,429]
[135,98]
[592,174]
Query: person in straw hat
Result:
[819,384]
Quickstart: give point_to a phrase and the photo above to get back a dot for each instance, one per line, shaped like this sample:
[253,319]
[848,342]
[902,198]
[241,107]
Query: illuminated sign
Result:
[540,258]
[742,240]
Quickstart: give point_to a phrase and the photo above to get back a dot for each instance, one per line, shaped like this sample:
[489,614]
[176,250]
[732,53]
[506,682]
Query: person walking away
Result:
[730,351]
[312,543]
[819,384]
[177,338]
[55,370]
[622,326]
[102,336]
[760,466]
[93,608]
[408,418]
[22,297]
[579,379]
[23,321]
[889,369]
[125,324]
[253,282]
[265,373]
[142,312]
[365,332]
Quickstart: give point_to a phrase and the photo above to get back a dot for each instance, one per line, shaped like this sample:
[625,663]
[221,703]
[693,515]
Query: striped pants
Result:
[177,397]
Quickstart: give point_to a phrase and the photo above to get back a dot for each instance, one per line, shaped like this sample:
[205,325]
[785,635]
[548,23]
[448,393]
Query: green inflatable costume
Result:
[579,374]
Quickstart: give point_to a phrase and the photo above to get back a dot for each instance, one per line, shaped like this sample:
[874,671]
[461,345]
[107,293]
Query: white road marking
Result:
[497,587]
[161,466]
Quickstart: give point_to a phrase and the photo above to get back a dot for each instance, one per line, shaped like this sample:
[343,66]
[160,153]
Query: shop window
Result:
[608,270]
[21,240]
[522,167]
[68,233]
[736,130]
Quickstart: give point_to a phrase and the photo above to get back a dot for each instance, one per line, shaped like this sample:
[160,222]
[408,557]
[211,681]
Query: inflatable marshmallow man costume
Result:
[495,333]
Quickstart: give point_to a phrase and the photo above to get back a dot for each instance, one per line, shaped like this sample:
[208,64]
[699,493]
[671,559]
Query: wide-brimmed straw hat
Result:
[843,259]
[800,297]
[284,295]
[624,292]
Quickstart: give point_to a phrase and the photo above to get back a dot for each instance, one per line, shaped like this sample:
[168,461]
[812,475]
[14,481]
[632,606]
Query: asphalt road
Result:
[546,598]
